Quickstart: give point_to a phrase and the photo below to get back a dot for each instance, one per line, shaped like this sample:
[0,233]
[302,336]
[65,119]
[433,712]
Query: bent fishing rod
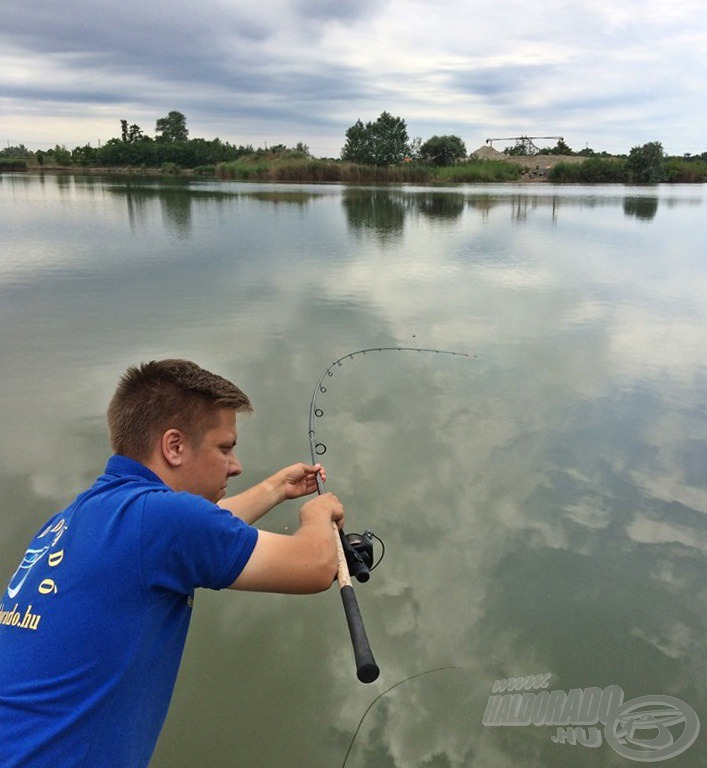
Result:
[354,551]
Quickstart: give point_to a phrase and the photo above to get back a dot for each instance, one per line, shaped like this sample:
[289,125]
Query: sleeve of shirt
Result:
[189,542]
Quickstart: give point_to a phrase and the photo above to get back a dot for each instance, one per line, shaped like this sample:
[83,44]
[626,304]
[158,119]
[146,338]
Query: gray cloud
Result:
[287,65]
[340,10]
[501,83]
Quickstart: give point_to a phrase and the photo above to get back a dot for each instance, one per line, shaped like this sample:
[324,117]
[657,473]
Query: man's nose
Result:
[234,467]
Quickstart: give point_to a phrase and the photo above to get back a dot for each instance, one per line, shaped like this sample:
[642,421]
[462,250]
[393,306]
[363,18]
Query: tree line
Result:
[383,143]
[170,149]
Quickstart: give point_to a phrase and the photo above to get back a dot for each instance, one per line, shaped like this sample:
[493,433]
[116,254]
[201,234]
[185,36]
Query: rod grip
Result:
[366,668]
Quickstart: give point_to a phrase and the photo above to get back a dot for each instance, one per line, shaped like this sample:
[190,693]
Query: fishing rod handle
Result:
[342,568]
[366,668]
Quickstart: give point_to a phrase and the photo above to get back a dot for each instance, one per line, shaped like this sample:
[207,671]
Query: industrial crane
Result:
[526,142]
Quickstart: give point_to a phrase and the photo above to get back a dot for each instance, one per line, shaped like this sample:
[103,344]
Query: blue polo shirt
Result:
[94,620]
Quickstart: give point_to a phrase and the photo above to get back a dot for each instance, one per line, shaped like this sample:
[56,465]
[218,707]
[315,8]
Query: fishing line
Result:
[380,696]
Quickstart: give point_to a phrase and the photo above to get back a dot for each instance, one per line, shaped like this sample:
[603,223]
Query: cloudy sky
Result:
[608,74]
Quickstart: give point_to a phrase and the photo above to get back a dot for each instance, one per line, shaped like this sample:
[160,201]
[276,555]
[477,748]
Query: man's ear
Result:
[173,444]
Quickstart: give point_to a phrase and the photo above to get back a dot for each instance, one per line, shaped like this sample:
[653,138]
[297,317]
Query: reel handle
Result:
[356,564]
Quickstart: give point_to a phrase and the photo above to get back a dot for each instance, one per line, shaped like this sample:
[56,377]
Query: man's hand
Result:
[325,505]
[292,482]
[297,480]
[302,563]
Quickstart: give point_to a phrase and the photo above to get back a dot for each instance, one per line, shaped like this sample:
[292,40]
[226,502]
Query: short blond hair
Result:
[164,394]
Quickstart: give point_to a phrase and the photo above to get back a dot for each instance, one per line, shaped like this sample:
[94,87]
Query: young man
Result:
[94,620]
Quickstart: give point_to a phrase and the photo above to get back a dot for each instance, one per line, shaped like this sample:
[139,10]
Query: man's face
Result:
[206,468]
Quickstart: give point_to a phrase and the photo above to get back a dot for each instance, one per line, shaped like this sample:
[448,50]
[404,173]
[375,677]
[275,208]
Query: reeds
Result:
[303,169]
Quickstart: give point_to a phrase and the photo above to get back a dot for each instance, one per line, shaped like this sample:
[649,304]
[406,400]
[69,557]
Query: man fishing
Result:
[94,619]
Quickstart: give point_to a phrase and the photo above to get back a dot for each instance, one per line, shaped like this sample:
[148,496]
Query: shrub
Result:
[678,170]
[595,170]
[12,164]
[564,173]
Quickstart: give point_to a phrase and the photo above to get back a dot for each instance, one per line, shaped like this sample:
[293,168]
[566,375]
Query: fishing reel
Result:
[358,549]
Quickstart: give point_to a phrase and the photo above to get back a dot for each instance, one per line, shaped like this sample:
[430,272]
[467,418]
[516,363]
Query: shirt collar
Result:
[122,466]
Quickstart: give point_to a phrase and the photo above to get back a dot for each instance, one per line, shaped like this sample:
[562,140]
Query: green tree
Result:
[561,148]
[443,150]
[18,151]
[84,156]
[130,134]
[358,144]
[383,142]
[115,152]
[173,127]
[646,164]
[61,155]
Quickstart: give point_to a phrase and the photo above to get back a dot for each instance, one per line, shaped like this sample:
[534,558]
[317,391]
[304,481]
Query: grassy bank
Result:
[599,170]
[295,167]
[261,167]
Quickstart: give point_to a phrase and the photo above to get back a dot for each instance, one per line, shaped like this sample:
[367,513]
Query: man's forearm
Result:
[253,503]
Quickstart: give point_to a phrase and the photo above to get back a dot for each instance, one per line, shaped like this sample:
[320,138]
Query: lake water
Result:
[543,501]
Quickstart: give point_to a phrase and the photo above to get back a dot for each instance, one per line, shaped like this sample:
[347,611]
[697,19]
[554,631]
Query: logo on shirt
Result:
[48,586]
[31,558]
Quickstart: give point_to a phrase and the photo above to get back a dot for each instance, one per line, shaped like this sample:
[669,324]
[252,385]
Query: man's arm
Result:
[289,483]
[302,563]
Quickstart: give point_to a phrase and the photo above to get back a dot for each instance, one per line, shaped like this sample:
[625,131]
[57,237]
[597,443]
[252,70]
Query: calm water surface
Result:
[542,502]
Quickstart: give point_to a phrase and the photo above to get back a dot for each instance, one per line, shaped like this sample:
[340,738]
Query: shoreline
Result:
[537,171]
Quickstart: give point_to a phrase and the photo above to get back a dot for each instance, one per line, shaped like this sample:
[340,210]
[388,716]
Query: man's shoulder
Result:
[181,507]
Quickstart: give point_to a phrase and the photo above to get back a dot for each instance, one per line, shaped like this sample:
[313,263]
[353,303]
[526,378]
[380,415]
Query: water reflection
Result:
[383,211]
[444,207]
[380,211]
[542,505]
[177,200]
[284,197]
[644,208]
[560,573]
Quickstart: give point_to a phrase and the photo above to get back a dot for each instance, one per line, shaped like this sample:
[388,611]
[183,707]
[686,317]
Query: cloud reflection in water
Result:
[543,505]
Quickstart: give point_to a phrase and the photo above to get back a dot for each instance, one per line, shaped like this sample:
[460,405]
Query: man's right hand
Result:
[326,505]
[303,563]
